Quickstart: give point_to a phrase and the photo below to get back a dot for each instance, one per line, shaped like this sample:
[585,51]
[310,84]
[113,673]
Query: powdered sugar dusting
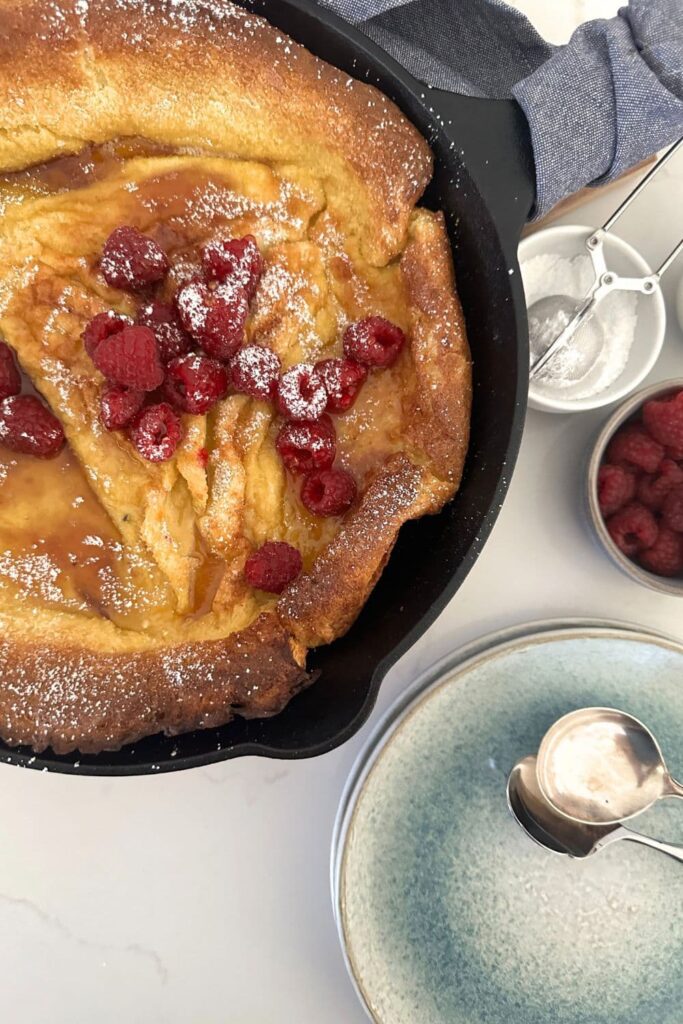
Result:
[5,469]
[302,393]
[105,582]
[192,302]
[255,371]
[254,428]
[212,202]
[292,295]
[37,576]
[60,20]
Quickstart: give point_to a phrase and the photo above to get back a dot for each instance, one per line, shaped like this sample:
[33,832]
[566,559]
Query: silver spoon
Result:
[547,318]
[602,766]
[558,834]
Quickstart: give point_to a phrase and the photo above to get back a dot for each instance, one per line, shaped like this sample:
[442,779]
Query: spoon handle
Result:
[674,788]
[637,837]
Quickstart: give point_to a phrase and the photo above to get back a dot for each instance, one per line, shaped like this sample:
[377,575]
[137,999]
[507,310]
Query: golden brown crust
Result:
[440,405]
[207,73]
[321,605]
[80,699]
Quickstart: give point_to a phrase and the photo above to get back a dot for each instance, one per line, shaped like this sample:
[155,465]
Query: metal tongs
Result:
[606,280]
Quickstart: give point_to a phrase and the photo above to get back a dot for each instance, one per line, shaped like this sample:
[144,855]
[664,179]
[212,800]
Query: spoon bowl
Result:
[559,834]
[600,766]
[541,822]
[547,319]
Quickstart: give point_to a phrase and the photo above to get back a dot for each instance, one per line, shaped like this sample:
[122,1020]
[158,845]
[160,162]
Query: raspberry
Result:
[10,378]
[674,453]
[652,490]
[224,326]
[118,405]
[194,383]
[672,509]
[664,420]
[100,327]
[238,258]
[329,492]
[255,371]
[28,426]
[633,528]
[343,379]
[215,318]
[665,557]
[132,260]
[273,566]
[306,447]
[632,445]
[301,393]
[373,341]
[162,318]
[616,487]
[155,432]
[130,358]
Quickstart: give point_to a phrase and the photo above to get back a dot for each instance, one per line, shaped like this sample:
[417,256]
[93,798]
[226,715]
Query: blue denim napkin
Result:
[609,98]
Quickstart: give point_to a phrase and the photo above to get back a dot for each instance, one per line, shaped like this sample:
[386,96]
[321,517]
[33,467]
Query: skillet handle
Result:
[498,154]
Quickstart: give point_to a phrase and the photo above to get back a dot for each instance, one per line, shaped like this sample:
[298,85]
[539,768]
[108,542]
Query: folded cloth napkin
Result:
[609,98]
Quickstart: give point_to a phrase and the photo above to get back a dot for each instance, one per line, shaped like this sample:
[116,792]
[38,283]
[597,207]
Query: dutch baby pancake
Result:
[233,363]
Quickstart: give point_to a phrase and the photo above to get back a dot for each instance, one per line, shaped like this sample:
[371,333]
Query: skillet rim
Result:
[414,99]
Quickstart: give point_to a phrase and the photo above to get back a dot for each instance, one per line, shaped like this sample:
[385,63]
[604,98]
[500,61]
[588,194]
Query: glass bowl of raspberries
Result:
[635,487]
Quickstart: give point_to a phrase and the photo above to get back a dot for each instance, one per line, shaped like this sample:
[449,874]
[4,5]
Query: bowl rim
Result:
[620,416]
[543,403]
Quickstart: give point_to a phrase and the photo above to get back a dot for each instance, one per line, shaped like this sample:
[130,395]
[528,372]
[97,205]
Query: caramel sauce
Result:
[59,549]
[93,163]
[58,546]
[208,578]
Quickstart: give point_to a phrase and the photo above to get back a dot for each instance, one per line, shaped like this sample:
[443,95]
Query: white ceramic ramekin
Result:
[649,337]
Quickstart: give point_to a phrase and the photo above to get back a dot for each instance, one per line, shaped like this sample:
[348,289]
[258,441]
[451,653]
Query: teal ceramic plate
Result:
[448,913]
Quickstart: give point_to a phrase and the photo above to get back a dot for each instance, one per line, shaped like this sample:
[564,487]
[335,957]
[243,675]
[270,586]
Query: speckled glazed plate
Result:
[447,912]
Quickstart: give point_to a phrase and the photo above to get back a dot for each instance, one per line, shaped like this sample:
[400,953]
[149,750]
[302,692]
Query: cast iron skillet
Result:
[484,183]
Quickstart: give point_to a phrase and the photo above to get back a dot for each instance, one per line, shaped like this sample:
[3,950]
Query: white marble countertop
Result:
[204,896]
